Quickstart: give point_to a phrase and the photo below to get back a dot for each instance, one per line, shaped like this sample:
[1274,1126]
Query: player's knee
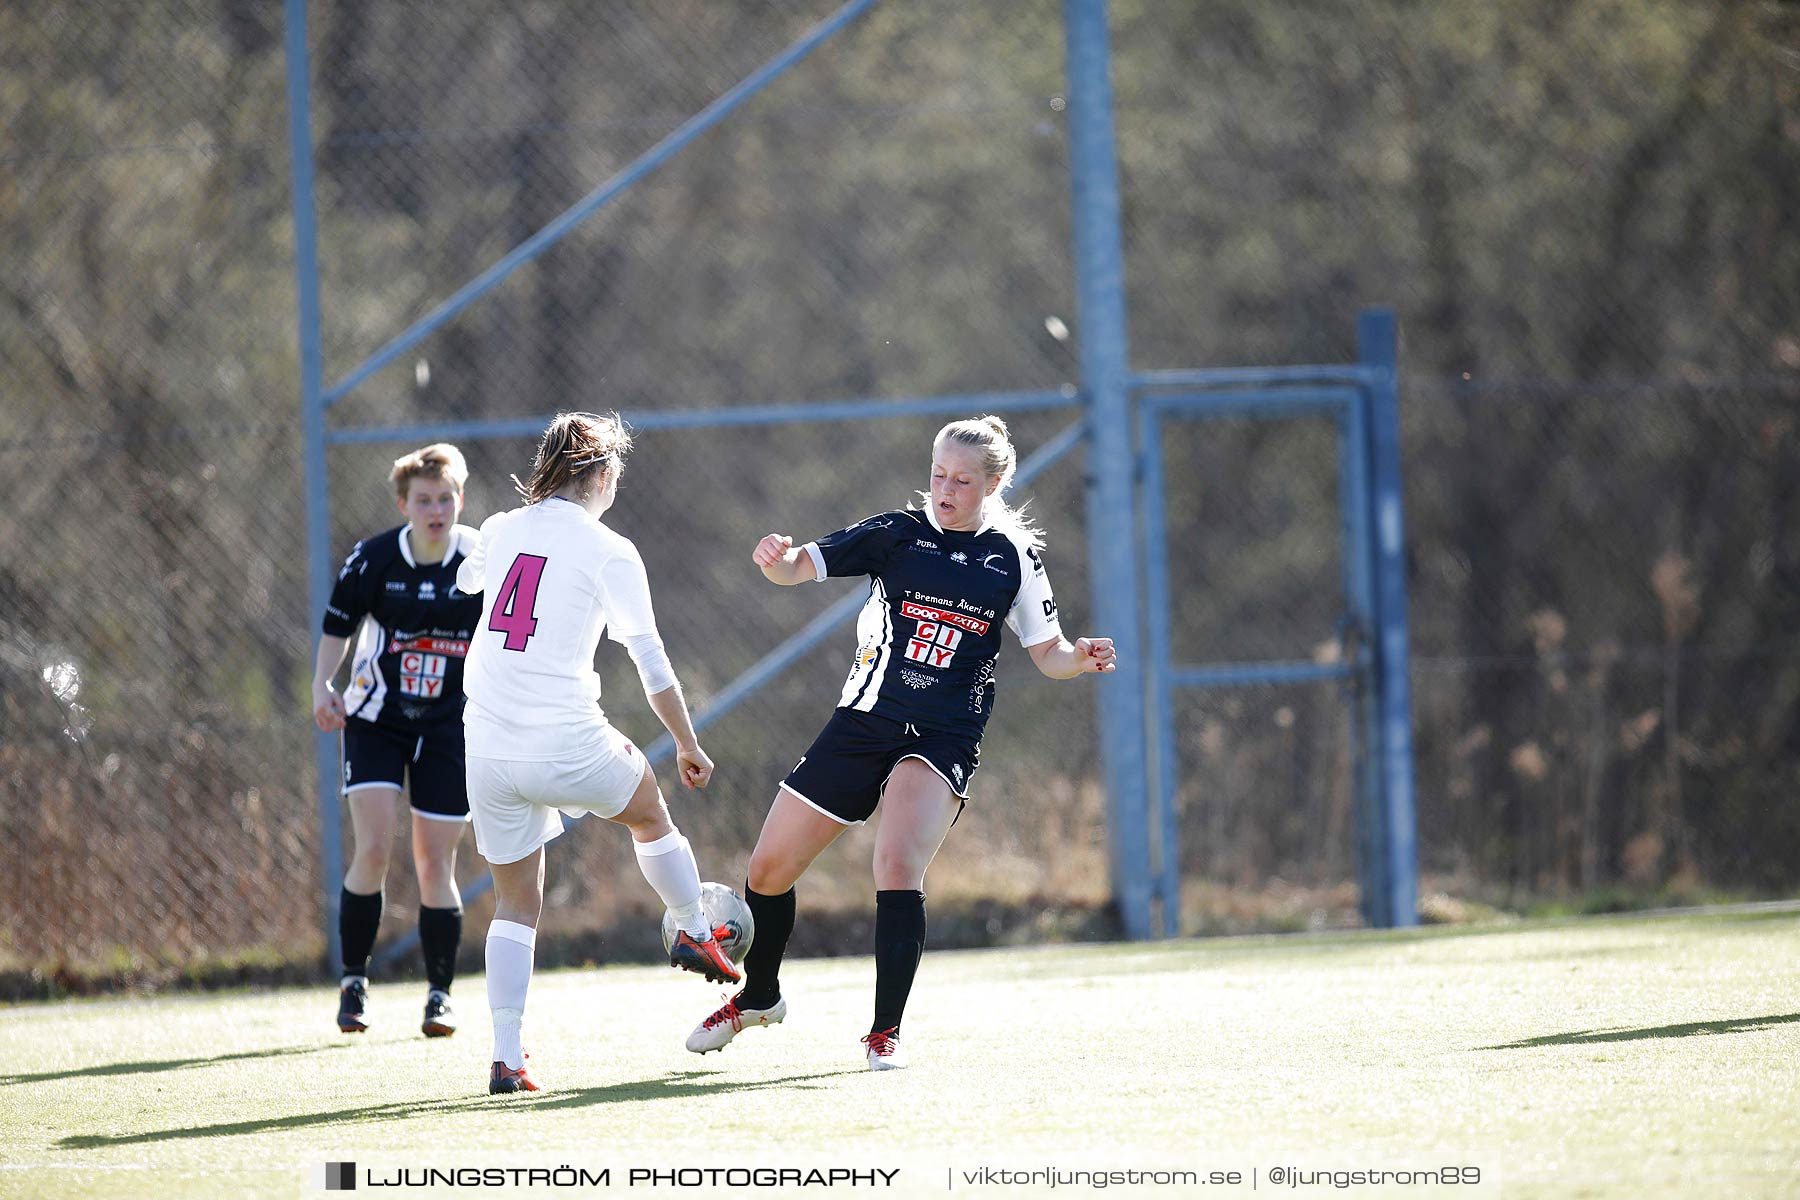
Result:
[899,869]
[433,873]
[372,855]
[770,874]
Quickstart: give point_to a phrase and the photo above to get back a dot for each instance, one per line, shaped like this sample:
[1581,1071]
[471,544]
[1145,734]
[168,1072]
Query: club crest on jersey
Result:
[990,559]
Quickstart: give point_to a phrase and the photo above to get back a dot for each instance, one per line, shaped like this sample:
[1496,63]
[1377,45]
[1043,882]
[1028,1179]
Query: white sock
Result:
[668,863]
[509,952]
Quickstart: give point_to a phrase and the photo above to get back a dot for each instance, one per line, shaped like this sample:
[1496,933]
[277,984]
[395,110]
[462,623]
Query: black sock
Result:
[359,917]
[774,917]
[440,933]
[899,941]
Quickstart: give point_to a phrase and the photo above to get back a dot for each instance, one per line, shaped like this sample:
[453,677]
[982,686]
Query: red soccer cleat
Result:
[706,958]
[503,1079]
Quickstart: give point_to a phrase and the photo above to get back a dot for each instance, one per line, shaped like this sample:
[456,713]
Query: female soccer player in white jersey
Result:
[402,721]
[552,577]
[907,731]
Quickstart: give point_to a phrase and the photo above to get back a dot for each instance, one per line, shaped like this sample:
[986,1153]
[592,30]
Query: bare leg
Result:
[917,811]
[434,845]
[793,835]
[374,816]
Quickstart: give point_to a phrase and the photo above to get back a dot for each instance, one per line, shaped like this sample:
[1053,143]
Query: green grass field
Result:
[1630,1057]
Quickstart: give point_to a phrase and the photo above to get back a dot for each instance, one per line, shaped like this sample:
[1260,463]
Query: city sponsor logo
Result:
[925,612]
[422,674]
[934,644]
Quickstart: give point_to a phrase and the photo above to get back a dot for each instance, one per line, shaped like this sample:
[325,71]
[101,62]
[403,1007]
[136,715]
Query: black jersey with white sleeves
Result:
[929,634]
[415,626]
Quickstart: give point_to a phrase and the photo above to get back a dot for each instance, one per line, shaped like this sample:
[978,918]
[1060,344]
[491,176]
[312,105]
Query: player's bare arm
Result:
[328,706]
[1060,658]
[670,707]
[782,562]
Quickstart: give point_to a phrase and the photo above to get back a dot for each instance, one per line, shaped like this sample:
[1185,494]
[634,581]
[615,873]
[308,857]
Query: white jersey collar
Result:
[931,515]
[406,545]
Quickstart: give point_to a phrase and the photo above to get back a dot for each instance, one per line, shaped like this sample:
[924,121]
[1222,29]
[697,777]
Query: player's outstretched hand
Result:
[772,550]
[695,767]
[328,709]
[1094,654]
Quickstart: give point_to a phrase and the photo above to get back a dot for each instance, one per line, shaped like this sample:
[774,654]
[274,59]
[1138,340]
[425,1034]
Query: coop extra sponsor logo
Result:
[924,612]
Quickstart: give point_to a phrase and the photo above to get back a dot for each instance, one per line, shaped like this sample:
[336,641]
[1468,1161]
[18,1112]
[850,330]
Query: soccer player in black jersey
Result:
[907,731]
[402,718]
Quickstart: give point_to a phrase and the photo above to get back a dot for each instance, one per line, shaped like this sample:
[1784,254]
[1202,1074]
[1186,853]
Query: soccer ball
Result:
[728,915]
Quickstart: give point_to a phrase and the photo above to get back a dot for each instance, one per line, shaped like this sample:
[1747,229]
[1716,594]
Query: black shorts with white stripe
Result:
[430,766]
[846,769]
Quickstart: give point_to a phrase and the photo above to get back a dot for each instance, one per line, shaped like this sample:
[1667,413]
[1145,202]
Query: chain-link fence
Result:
[1590,203]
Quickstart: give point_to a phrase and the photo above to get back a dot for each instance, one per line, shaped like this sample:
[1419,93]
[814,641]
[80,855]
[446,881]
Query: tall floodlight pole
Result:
[1105,367]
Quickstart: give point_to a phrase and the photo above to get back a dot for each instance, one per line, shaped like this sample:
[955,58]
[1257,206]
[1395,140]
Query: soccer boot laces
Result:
[716,1032]
[885,1053]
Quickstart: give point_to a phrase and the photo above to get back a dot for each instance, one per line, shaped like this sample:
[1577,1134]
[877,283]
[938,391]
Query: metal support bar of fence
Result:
[1273,671]
[1158,665]
[1377,344]
[1273,403]
[709,418]
[772,664]
[312,420]
[1218,377]
[1103,352]
[1240,398]
[1355,512]
[582,209]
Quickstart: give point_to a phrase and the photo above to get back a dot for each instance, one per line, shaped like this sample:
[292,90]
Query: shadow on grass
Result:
[166,1064]
[1593,1037]
[676,1085]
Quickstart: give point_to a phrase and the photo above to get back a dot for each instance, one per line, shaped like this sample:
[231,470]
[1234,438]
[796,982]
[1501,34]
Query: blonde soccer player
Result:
[402,721]
[906,735]
[552,577]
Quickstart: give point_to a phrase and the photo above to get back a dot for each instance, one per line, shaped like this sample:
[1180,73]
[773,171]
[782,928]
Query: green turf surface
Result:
[1643,1057]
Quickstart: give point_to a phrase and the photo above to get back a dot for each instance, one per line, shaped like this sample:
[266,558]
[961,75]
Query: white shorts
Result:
[518,806]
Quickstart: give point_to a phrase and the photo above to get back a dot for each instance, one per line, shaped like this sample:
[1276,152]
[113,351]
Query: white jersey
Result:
[551,578]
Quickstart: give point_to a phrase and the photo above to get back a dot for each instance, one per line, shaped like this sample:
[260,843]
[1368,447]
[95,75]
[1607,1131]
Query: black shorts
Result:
[845,770]
[375,756]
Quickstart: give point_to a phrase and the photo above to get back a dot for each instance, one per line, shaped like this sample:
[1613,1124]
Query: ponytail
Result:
[575,446]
